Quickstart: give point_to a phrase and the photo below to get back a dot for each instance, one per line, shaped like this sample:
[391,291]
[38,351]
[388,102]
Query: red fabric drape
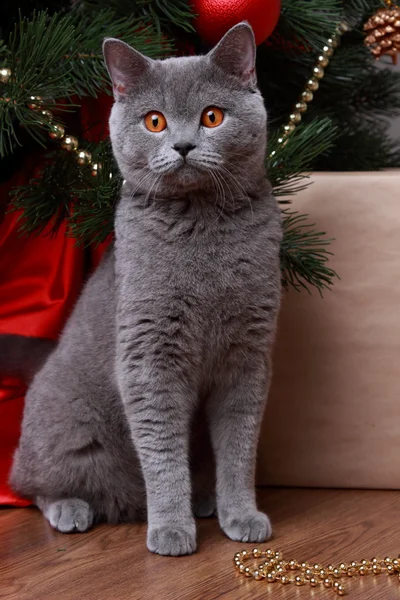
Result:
[40,279]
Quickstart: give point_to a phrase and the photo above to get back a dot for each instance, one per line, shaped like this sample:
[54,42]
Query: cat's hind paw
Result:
[69,515]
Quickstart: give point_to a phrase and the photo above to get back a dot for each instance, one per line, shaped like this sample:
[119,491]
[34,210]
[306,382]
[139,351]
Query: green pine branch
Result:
[309,22]
[289,162]
[163,14]
[304,255]
[66,61]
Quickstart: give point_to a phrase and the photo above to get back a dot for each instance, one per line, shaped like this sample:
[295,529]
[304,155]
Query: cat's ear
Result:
[124,64]
[236,53]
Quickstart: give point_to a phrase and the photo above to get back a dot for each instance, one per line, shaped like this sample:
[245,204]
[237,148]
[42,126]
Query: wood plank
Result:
[112,563]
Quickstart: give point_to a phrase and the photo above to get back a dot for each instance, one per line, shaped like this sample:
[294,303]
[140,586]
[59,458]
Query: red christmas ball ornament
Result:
[215,17]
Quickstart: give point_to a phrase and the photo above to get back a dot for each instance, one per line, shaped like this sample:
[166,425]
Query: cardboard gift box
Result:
[333,416]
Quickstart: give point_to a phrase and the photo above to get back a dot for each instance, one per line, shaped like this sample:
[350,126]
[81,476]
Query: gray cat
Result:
[170,341]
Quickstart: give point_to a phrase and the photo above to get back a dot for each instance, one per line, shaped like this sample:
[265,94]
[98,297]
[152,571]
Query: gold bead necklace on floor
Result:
[274,569]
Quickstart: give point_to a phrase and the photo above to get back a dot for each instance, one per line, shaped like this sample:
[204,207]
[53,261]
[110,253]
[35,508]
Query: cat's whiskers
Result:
[156,181]
[140,182]
[215,177]
[240,188]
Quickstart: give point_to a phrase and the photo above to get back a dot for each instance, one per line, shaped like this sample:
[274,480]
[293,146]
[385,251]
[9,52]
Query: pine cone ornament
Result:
[383,30]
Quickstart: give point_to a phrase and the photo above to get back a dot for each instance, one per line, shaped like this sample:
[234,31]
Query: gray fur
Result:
[171,338]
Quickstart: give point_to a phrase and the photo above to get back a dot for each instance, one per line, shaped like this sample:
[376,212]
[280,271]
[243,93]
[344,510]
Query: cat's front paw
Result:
[254,526]
[172,540]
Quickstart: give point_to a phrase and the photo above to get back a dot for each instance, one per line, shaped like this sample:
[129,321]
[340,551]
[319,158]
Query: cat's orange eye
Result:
[212,117]
[155,121]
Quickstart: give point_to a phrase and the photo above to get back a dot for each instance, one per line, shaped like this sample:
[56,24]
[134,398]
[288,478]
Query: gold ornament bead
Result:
[57,131]
[317,567]
[363,570]
[307,95]
[269,553]
[337,573]
[295,117]
[242,568]
[256,551]
[303,565]
[396,563]
[322,573]
[278,555]
[285,579]
[376,561]
[330,568]
[388,560]
[343,567]
[257,575]
[301,107]
[299,580]
[351,572]
[376,569]
[248,572]
[318,72]
[313,84]
[47,114]
[271,578]
[35,102]
[5,74]
[308,573]
[314,582]
[366,563]
[354,564]
[340,590]
[245,554]
[328,582]
[327,51]
[281,563]
[289,128]
[70,143]
[330,42]
[323,60]
[293,565]
[237,554]
[84,157]
[390,570]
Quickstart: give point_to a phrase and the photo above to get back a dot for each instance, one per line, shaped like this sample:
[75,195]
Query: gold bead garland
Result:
[5,74]
[312,85]
[70,143]
[275,569]
[56,130]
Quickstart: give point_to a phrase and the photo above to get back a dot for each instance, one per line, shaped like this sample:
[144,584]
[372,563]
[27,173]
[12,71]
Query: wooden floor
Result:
[112,563]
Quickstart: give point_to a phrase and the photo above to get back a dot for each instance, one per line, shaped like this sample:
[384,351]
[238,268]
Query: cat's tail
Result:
[22,356]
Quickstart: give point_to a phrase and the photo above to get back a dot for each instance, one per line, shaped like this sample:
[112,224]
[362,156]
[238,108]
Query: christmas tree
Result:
[327,105]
